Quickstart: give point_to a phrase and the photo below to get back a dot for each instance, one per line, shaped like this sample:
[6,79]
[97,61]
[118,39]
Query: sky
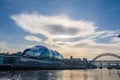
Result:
[78,28]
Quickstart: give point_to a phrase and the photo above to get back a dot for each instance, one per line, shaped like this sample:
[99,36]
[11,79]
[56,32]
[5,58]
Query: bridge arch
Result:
[105,54]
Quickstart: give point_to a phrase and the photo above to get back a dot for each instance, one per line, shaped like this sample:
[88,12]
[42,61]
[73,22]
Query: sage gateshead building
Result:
[37,57]
[42,53]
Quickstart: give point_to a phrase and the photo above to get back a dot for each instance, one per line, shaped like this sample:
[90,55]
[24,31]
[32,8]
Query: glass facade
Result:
[42,53]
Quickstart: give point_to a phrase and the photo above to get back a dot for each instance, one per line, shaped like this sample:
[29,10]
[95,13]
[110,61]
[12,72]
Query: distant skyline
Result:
[78,28]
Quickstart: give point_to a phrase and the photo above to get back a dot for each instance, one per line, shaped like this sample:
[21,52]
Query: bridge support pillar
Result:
[100,65]
[117,65]
[109,66]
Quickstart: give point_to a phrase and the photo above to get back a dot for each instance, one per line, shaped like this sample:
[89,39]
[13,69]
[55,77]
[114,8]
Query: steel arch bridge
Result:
[105,54]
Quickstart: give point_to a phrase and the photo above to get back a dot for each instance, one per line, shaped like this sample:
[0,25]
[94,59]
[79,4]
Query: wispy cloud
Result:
[67,35]
[117,40]
[52,26]
[32,38]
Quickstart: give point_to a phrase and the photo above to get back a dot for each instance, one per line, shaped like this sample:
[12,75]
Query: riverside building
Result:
[37,57]
[42,53]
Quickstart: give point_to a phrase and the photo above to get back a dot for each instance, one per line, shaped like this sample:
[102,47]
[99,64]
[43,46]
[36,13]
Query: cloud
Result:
[32,38]
[52,26]
[104,47]
[116,39]
[4,47]
[103,34]
[69,36]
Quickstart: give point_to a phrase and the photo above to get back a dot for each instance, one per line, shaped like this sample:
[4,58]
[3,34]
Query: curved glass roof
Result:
[42,53]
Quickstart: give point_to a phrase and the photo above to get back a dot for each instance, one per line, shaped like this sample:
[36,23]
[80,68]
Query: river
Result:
[94,74]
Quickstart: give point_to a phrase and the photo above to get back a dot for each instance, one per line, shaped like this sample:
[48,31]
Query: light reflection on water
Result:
[96,74]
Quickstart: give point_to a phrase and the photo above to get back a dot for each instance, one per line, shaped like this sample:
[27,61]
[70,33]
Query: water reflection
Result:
[97,74]
[30,75]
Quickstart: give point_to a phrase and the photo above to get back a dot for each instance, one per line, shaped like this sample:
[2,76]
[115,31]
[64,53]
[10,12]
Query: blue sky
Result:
[72,27]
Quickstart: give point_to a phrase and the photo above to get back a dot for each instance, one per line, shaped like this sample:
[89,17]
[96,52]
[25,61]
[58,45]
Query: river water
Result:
[95,74]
